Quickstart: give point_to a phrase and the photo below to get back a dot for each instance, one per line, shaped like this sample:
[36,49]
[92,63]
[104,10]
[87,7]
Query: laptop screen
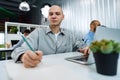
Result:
[107,33]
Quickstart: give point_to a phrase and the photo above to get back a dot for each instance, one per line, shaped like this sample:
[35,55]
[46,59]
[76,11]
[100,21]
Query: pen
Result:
[26,42]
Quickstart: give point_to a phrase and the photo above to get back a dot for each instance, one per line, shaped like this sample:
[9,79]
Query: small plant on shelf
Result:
[13,29]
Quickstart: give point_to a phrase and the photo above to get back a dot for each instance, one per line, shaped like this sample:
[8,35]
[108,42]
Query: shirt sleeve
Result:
[89,38]
[18,44]
[32,39]
[78,42]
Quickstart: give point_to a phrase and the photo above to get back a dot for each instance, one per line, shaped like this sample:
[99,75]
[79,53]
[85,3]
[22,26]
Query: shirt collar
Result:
[48,30]
[91,32]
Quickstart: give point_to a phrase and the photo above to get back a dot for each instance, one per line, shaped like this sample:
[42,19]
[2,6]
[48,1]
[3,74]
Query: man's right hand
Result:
[31,59]
[85,50]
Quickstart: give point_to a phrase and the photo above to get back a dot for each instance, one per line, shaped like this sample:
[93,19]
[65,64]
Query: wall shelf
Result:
[20,26]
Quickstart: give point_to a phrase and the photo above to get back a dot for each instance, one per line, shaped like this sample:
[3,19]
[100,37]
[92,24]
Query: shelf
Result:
[20,26]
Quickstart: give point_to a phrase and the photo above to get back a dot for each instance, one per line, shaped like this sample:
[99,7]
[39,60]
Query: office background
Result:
[78,13]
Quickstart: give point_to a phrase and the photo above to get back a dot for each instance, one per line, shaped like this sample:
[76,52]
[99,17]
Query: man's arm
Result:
[18,44]
[31,59]
[32,39]
[89,38]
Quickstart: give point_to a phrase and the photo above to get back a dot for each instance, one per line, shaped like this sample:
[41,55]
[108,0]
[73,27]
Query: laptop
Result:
[107,33]
[101,33]
[82,59]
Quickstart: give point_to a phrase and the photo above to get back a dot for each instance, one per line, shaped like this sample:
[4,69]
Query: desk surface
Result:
[82,72]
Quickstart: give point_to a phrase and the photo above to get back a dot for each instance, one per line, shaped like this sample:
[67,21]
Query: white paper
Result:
[41,72]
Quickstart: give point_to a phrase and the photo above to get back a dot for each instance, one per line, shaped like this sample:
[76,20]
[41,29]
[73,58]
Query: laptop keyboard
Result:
[82,58]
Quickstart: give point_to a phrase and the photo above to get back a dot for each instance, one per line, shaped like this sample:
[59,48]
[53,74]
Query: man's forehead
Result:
[55,8]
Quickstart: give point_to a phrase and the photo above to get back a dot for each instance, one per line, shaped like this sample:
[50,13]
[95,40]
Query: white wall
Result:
[2,38]
[79,13]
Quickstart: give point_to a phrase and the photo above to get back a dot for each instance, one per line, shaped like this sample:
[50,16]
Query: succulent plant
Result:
[105,46]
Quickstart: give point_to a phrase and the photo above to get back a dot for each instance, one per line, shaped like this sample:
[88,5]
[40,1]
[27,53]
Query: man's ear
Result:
[63,16]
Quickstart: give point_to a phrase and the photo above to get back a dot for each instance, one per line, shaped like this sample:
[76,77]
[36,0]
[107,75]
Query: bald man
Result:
[45,41]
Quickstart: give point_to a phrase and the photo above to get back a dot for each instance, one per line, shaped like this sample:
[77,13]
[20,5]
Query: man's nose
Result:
[54,16]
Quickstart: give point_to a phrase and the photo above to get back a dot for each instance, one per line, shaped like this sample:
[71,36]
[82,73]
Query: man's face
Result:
[55,15]
[26,34]
[94,25]
[97,23]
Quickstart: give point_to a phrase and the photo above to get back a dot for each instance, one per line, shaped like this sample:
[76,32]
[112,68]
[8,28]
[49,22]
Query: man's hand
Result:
[85,51]
[31,59]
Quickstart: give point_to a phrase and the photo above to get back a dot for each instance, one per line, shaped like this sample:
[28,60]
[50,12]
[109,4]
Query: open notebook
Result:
[43,71]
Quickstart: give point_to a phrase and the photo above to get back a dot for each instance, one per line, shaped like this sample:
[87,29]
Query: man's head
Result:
[26,32]
[55,16]
[94,24]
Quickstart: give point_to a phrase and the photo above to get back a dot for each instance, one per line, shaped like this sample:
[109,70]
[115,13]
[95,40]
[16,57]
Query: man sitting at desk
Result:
[51,40]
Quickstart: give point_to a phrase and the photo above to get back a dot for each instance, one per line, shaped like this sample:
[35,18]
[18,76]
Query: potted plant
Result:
[13,29]
[106,54]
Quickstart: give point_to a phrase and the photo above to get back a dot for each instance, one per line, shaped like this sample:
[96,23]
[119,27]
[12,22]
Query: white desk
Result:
[73,70]
[3,72]
[6,49]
